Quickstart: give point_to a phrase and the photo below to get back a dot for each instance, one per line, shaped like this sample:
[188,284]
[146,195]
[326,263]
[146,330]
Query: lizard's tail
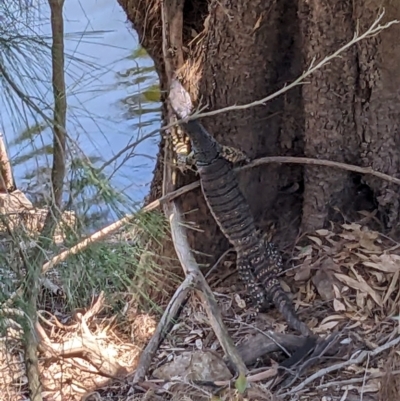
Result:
[285,307]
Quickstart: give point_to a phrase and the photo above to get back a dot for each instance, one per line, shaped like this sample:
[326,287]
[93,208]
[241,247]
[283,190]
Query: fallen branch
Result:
[84,346]
[169,316]
[112,228]
[191,268]
[345,382]
[98,235]
[96,307]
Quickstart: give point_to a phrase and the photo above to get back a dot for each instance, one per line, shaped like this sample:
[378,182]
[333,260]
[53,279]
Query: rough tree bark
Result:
[347,112]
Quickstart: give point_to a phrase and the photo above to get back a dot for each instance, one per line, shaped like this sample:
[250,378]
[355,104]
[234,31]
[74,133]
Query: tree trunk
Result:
[347,111]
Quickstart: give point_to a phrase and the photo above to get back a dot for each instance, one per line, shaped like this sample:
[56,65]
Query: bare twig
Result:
[353,380]
[320,162]
[276,159]
[352,361]
[110,229]
[190,267]
[96,307]
[373,30]
[216,264]
[98,235]
[126,148]
[170,314]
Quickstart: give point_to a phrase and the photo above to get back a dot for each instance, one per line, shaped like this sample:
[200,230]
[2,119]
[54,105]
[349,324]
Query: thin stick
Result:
[373,30]
[320,162]
[352,361]
[190,267]
[276,159]
[169,315]
[98,235]
[187,188]
[172,22]
[356,379]
[216,264]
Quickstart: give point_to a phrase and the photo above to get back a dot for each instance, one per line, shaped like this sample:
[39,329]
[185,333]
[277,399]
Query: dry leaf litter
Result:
[345,279]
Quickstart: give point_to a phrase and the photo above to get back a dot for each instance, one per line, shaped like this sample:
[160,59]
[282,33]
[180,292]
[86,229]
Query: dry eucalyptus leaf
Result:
[329,263]
[316,240]
[360,299]
[284,286]
[352,227]
[332,317]
[327,326]
[362,256]
[367,239]
[352,245]
[387,263]
[354,325]
[336,290]
[189,339]
[364,287]
[199,332]
[323,232]
[303,273]
[338,306]
[348,236]
[392,287]
[324,285]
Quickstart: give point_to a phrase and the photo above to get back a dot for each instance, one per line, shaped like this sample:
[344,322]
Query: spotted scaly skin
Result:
[258,261]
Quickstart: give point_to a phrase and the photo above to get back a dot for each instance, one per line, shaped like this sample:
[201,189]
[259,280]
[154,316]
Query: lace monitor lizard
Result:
[185,159]
[258,261]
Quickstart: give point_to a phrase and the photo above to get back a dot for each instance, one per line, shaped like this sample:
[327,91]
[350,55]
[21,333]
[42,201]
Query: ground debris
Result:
[345,280]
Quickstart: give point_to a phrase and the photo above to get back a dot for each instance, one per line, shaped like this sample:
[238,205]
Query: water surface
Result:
[112,100]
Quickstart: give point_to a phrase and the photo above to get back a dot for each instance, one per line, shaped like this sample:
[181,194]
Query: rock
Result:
[198,365]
